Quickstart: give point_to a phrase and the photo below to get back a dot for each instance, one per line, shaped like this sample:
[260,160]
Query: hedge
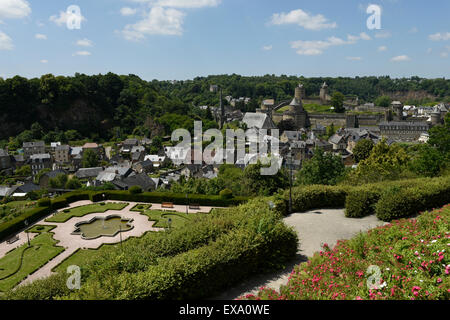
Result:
[176,198]
[18,223]
[400,203]
[360,202]
[312,197]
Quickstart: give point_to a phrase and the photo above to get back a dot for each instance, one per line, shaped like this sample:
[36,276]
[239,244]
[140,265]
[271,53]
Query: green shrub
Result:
[312,197]
[360,202]
[66,210]
[403,202]
[44,202]
[226,194]
[135,190]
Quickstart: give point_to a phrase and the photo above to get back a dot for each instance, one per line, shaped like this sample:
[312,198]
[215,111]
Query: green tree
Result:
[263,185]
[322,168]
[383,101]
[337,101]
[90,159]
[59,182]
[384,163]
[362,150]
[440,136]
[73,184]
[428,162]
[24,171]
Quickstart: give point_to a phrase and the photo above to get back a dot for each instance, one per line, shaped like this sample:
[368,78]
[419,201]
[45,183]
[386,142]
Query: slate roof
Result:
[3,153]
[54,173]
[27,187]
[64,147]
[34,144]
[42,156]
[88,172]
[142,180]
[258,120]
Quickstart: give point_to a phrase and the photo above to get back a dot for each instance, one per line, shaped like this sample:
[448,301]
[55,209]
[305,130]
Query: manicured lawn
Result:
[410,256]
[83,256]
[40,229]
[20,262]
[84,210]
[162,217]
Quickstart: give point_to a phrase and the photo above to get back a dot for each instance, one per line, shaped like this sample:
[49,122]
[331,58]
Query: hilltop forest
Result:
[110,106]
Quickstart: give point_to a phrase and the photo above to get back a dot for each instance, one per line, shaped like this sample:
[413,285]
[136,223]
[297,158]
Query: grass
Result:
[14,209]
[17,264]
[312,107]
[40,228]
[83,256]
[161,218]
[410,255]
[63,216]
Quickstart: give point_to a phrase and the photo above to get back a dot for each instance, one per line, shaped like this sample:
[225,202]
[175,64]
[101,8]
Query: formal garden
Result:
[201,255]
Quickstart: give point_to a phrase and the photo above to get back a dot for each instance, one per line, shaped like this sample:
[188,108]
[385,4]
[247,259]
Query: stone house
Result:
[5,160]
[31,148]
[62,154]
[39,162]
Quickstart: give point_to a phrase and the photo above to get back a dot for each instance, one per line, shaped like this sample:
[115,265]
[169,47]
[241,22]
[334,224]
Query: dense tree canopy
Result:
[111,106]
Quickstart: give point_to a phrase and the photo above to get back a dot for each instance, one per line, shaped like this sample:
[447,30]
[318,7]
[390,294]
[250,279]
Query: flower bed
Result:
[411,256]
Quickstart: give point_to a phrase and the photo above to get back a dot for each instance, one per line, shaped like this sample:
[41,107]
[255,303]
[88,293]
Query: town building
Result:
[39,162]
[31,148]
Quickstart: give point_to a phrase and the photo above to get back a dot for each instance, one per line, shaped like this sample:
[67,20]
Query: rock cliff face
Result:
[408,95]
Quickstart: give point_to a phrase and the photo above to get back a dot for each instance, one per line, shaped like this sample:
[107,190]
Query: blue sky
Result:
[182,39]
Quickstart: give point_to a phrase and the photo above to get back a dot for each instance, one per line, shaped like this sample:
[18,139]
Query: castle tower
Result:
[324,93]
[436,117]
[397,108]
[296,111]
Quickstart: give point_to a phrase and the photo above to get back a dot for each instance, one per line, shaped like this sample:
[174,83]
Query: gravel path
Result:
[314,229]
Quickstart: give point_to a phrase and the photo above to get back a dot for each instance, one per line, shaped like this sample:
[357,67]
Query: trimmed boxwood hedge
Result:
[398,203]
[360,202]
[176,198]
[306,198]
[18,223]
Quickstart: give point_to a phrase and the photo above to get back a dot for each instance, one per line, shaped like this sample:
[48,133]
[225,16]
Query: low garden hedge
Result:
[360,202]
[396,203]
[306,198]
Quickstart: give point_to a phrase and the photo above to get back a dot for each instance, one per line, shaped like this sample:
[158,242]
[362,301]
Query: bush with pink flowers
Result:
[412,257]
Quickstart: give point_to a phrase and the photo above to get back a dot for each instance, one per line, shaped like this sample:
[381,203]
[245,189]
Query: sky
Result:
[184,39]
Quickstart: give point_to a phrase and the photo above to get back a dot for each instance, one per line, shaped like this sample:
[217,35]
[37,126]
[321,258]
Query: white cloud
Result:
[303,19]
[14,9]
[400,58]
[317,47]
[444,54]
[159,21]
[444,36]
[187,3]
[382,48]
[61,20]
[383,35]
[413,30]
[84,43]
[429,50]
[267,48]
[40,36]
[44,61]
[128,11]
[354,58]
[5,42]
[82,53]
